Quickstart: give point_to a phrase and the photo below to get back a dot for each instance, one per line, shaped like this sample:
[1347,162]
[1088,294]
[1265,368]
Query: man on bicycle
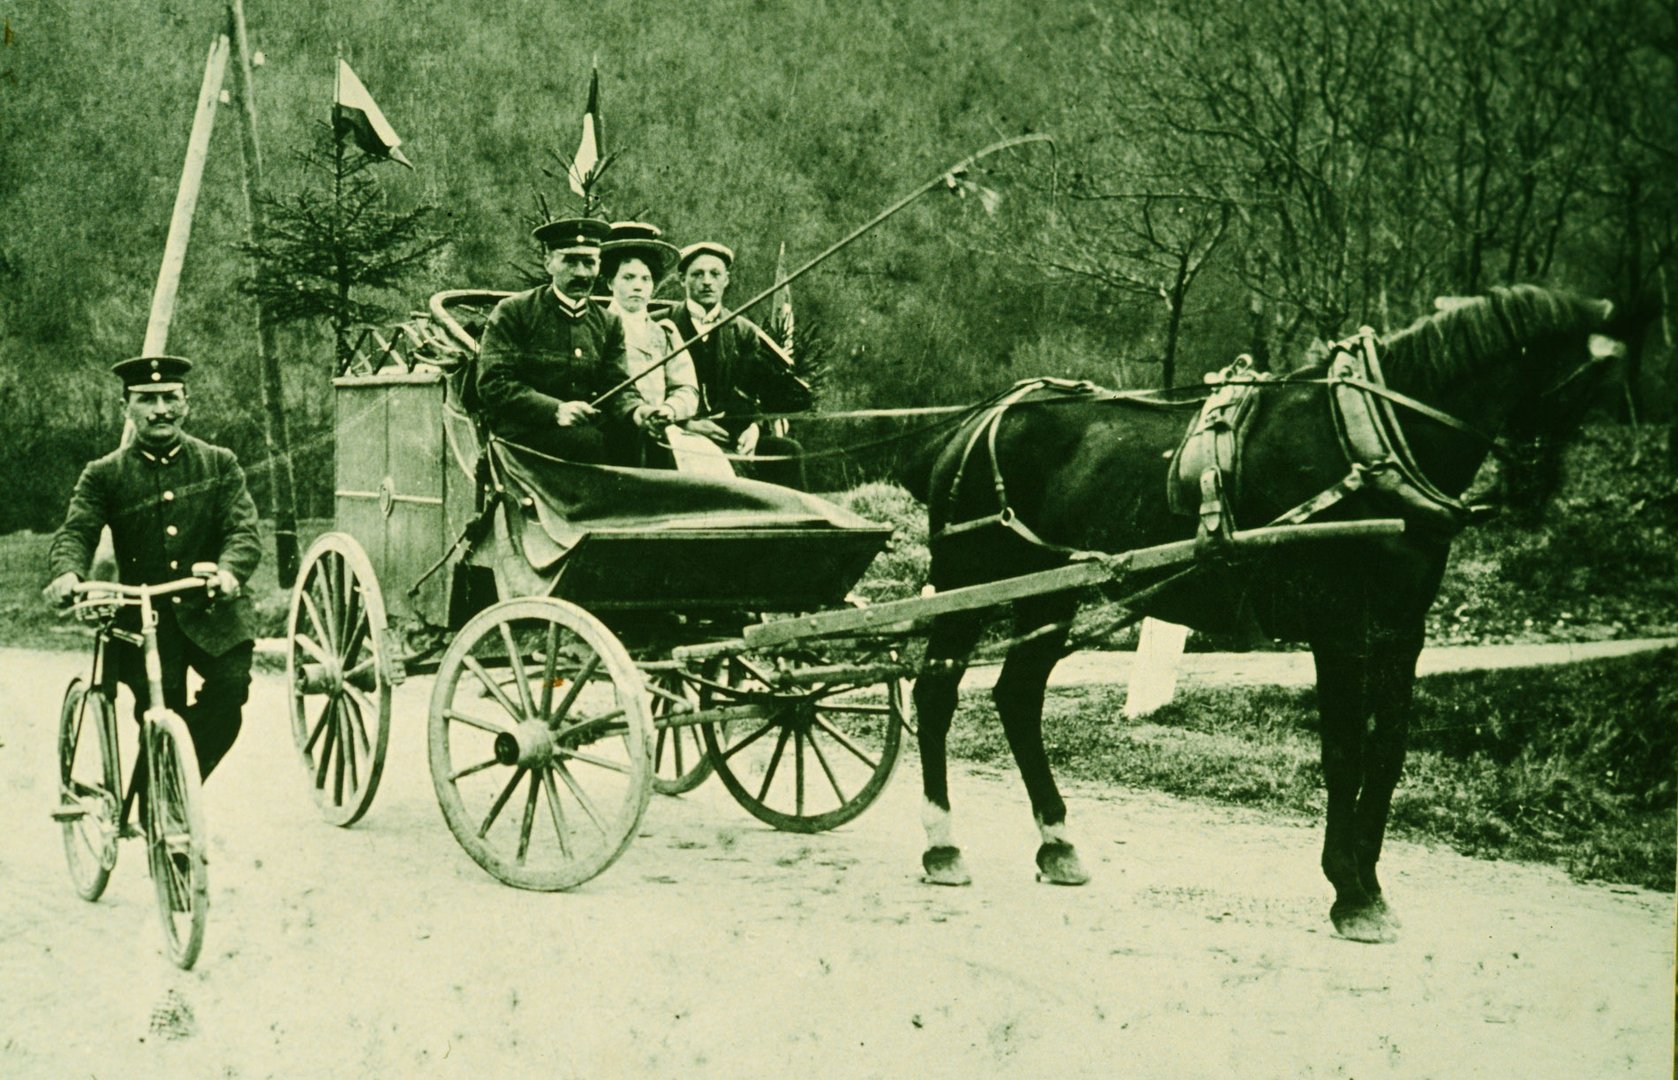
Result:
[172,500]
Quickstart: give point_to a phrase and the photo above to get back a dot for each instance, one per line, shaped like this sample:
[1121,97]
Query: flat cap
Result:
[705,247]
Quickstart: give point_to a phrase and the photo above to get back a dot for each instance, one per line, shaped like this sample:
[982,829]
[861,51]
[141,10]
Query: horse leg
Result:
[1043,623]
[1392,677]
[1343,703]
[949,644]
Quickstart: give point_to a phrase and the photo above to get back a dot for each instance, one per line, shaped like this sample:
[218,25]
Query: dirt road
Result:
[716,947]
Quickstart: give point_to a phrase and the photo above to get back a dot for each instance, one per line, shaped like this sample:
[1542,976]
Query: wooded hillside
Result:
[1226,177]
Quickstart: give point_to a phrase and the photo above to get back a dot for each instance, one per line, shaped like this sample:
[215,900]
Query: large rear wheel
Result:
[89,786]
[681,761]
[541,743]
[176,840]
[339,677]
[819,756]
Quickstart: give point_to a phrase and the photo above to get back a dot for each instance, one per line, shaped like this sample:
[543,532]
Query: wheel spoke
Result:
[362,667]
[501,800]
[493,687]
[576,687]
[320,726]
[529,817]
[821,759]
[461,774]
[591,722]
[315,620]
[338,754]
[768,726]
[516,660]
[358,634]
[798,770]
[555,812]
[842,740]
[364,707]
[581,796]
[658,746]
[550,661]
[774,763]
[310,647]
[754,671]
[472,721]
[590,759]
[328,610]
[348,717]
[326,745]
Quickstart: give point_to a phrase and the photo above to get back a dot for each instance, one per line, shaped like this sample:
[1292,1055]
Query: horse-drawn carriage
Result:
[596,632]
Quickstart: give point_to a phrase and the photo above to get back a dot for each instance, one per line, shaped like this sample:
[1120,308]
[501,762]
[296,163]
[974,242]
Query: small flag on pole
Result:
[355,113]
[588,147]
[783,303]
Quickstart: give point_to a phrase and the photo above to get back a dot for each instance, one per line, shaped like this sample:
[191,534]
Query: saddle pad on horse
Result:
[1214,438]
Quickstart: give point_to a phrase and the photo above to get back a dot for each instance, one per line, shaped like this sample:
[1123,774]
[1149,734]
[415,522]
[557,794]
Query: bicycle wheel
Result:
[176,840]
[88,788]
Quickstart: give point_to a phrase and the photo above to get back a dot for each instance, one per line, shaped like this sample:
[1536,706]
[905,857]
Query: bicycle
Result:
[94,808]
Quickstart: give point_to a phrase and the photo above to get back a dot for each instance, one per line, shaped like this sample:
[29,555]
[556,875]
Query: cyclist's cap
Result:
[705,247]
[152,374]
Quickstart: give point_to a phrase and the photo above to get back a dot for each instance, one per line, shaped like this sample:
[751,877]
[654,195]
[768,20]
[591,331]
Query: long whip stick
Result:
[948,178]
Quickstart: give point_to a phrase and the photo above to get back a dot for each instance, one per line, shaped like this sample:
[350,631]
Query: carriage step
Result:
[69,813]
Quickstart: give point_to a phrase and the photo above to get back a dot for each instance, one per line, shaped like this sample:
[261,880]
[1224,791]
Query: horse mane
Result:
[1441,348]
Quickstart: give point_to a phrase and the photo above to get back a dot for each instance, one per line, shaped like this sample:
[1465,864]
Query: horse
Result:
[1053,471]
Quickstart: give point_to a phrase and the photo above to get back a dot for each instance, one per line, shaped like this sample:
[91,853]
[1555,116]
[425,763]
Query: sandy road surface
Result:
[716,947]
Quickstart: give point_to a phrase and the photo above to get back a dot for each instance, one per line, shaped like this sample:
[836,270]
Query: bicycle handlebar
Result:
[108,593]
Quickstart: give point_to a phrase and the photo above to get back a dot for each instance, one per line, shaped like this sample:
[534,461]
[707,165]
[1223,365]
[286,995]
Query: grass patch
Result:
[1569,765]
[27,622]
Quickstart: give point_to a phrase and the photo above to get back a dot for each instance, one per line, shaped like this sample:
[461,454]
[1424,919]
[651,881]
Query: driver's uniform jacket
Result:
[168,510]
[535,353]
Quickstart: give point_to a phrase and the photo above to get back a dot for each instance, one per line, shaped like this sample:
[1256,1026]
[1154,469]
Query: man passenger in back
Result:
[741,370]
[547,353]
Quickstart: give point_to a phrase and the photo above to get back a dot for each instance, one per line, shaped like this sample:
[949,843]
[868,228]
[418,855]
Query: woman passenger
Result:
[632,263]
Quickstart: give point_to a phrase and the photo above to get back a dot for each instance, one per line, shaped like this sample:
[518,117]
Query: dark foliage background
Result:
[1227,177]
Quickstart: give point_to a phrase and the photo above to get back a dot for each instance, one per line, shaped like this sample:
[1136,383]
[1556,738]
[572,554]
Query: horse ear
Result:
[1607,307]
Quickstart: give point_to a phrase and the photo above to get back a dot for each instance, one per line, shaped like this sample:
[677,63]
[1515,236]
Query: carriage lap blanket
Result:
[570,501]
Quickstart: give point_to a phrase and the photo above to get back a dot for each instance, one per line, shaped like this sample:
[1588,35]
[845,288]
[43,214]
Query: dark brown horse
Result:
[1087,472]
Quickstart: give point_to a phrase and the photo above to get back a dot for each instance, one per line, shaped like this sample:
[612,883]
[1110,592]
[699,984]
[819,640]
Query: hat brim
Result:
[153,387]
[659,256]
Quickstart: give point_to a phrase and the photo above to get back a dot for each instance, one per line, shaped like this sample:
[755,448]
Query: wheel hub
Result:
[530,744]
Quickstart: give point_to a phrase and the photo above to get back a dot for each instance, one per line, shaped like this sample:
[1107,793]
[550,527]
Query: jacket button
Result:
[174,564]
[168,496]
[171,530]
[176,599]
[577,353]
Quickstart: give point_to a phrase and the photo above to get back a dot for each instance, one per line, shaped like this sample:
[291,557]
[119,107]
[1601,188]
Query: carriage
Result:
[598,633]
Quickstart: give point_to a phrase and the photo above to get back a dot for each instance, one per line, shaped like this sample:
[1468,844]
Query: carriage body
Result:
[561,594]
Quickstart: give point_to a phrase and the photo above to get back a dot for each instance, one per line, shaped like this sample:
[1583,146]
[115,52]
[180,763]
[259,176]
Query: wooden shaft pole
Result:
[282,483]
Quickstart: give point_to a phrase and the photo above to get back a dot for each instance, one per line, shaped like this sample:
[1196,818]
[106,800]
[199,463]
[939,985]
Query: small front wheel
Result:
[176,840]
[88,787]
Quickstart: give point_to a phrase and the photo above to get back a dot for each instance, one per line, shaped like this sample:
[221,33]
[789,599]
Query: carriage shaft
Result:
[1086,569]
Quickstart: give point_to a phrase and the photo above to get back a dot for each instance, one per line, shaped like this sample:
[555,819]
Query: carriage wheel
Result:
[337,672]
[541,743]
[681,761]
[88,788]
[820,758]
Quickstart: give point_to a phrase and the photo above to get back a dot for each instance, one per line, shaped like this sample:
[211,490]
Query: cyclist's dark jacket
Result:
[167,511]
[739,375]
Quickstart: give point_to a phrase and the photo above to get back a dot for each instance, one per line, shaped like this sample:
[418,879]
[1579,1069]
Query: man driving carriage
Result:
[547,353]
[171,501]
[741,370]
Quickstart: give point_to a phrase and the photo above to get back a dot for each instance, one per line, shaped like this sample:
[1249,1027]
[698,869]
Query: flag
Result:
[354,112]
[781,313]
[588,147]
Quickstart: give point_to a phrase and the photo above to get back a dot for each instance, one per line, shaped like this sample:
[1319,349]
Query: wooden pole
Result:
[282,482]
[186,200]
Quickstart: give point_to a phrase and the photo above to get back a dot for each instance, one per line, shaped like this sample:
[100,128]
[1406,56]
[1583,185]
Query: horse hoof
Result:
[1388,913]
[943,866]
[1368,923]
[1058,864]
